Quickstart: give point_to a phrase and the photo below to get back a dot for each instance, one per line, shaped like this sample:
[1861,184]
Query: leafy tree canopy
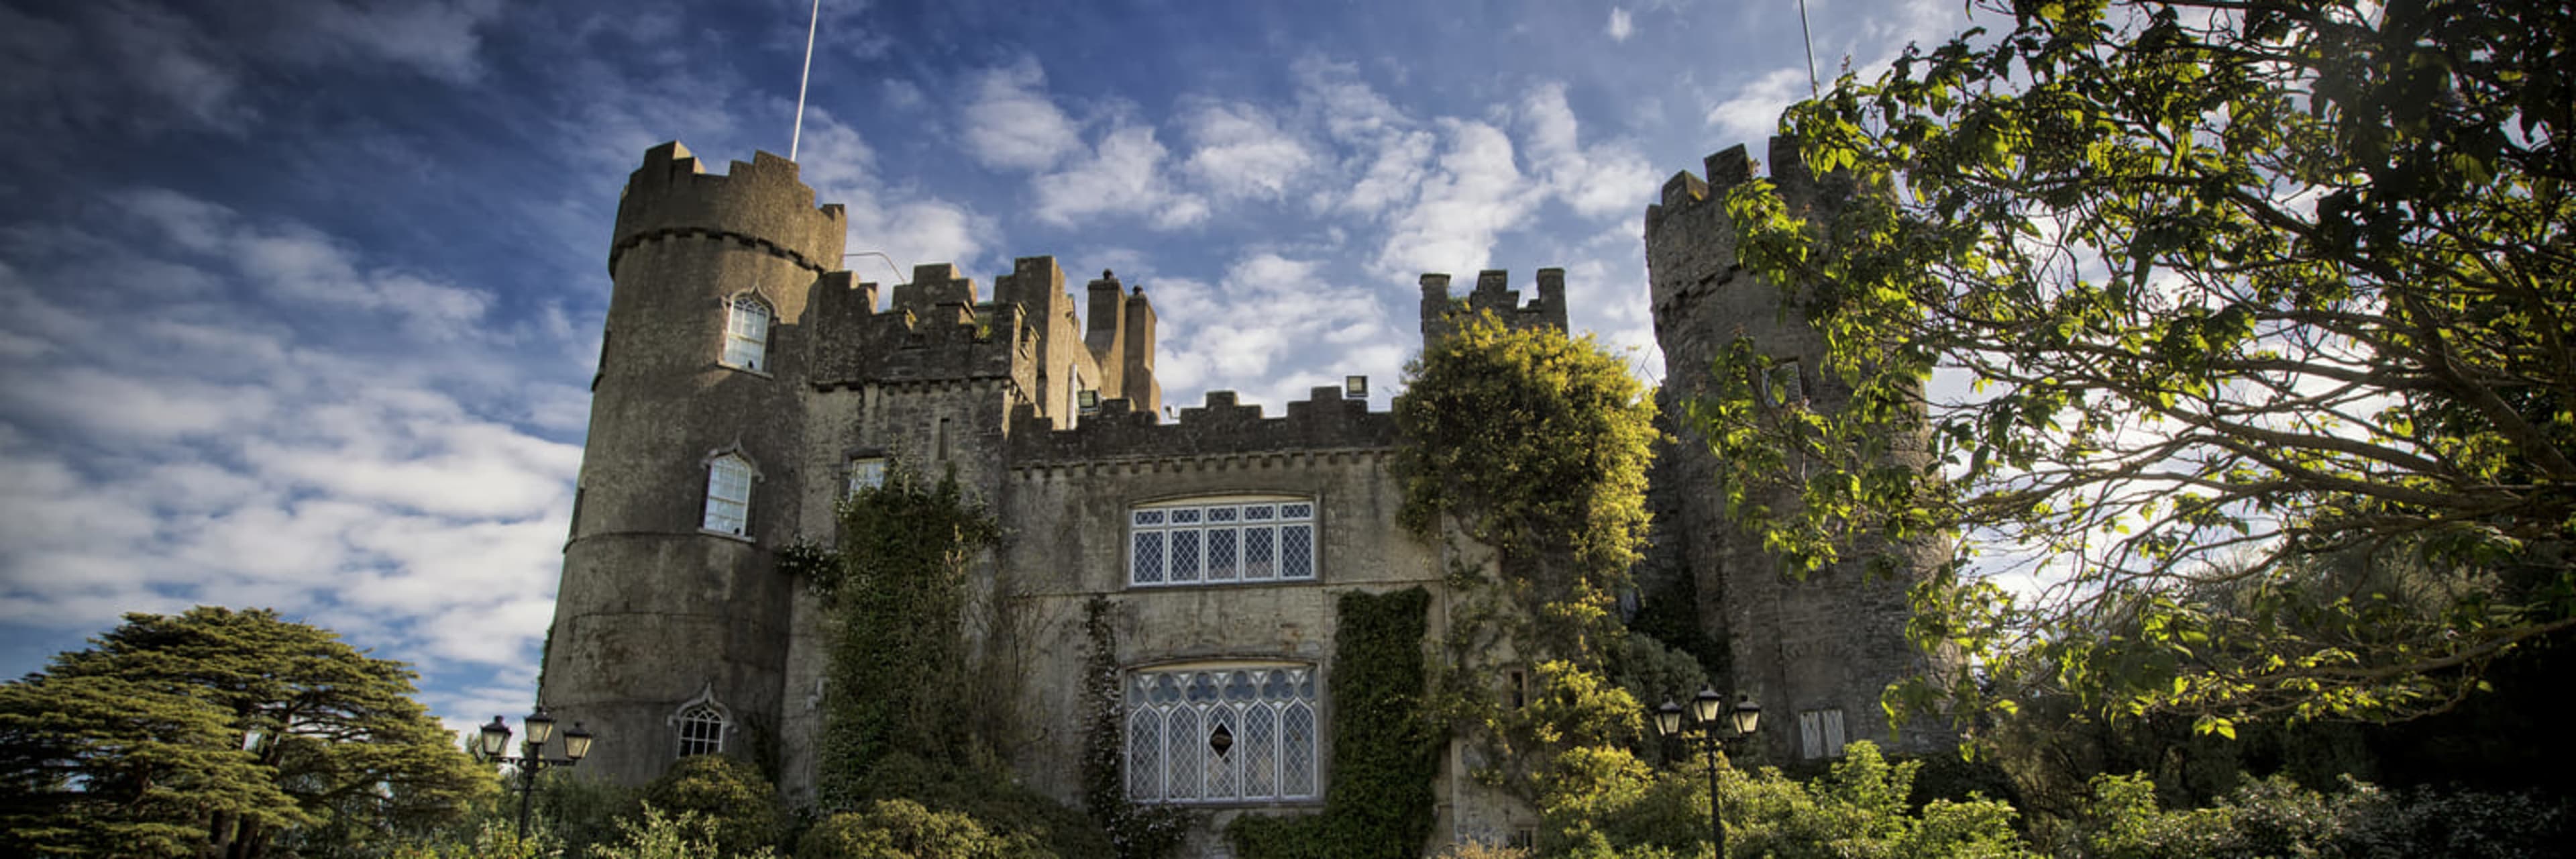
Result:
[1535,444]
[2238,289]
[222,734]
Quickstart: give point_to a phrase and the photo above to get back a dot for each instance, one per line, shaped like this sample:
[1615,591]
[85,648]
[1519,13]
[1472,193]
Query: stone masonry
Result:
[1046,406]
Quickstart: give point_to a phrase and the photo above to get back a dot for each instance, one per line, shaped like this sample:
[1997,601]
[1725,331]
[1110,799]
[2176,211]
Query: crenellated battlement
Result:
[936,329]
[1493,293]
[1323,421]
[1799,187]
[761,204]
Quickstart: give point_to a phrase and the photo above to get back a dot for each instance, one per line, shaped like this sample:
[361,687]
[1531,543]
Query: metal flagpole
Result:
[798,136]
[1803,35]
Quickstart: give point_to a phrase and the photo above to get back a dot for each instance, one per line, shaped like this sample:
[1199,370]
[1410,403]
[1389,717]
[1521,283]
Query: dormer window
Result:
[747,333]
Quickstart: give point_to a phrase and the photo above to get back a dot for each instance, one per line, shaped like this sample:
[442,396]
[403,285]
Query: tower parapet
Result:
[761,204]
[1818,649]
[1493,294]
[1325,420]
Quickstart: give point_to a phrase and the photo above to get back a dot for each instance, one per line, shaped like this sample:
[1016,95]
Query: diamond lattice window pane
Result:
[1297,751]
[1259,746]
[1259,553]
[1146,563]
[1185,556]
[1296,551]
[1145,756]
[1221,780]
[1188,747]
[1220,554]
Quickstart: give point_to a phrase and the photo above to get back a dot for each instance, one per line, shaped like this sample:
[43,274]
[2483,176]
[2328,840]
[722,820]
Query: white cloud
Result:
[296,263]
[889,220]
[1242,152]
[1596,181]
[1473,194]
[434,38]
[1753,113]
[1123,176]
[1275,327]
[1621,25]
[1010,122]
[263,447]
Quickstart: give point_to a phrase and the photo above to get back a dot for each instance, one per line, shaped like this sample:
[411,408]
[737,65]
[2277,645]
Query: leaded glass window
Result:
[1222,735]
[1229,540]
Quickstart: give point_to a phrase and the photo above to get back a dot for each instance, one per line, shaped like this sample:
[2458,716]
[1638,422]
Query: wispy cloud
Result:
[1753,111]
[1621,25]
[1124,175]
[1010,121]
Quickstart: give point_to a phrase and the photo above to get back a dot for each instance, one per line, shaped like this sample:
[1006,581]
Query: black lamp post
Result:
[495,739]
[1704,709]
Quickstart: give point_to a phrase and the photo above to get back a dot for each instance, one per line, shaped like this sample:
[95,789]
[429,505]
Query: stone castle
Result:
[747,382]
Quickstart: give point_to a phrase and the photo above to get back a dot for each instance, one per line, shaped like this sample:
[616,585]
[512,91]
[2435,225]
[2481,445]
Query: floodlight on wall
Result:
[1087,401]
[1355,387]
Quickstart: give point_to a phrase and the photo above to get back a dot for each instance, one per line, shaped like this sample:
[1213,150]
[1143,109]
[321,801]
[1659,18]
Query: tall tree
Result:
[2196,301]
[218,733]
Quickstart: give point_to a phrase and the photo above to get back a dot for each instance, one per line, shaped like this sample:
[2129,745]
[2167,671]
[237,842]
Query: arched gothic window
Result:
[746,333]
[729,480]
[701,724]
[1222,734]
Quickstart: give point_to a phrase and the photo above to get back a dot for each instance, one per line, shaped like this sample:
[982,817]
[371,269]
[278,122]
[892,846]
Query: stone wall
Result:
[1835,639]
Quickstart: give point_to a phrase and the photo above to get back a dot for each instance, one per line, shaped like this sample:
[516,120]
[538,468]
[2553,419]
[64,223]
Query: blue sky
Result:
[299,298]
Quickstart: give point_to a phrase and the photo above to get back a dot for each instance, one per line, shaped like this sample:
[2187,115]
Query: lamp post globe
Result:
[492,743]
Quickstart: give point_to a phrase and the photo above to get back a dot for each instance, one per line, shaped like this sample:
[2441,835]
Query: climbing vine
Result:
[1525,458]
[902,688]
[1137,831]
[1386,748]
[1533,445]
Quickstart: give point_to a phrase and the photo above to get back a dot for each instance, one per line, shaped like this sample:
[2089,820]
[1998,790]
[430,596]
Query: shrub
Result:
[737,805]
[903,829]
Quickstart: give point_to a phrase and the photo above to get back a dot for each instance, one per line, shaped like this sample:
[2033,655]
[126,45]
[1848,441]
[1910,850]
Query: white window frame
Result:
[1820,733]
[701,725]
[746,343]
[866,472]
[1224,540]
[727,510]
[1272,713]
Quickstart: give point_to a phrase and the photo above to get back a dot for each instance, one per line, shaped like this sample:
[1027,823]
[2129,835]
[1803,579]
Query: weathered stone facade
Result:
[657,613]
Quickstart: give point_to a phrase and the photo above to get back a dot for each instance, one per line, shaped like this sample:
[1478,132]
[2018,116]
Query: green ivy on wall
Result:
[1137,831]
[901,683]
[1385,748]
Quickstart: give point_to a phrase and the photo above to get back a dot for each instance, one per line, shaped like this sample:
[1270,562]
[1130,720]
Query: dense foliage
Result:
[1534,445]
[907,704]
[1386,751]
[2234,287]
[1136,830]
[735,804]
[223,734]
[903,829]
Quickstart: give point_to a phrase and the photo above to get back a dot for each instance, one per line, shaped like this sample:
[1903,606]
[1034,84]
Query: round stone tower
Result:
[671,623]
[1815,652]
